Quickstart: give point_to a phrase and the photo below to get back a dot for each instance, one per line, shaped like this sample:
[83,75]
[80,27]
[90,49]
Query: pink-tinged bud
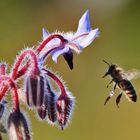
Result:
[65,104]
[35,89]
[42,110]
[18,127]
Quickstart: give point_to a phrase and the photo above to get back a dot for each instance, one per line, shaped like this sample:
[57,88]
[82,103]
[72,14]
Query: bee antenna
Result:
[106,63]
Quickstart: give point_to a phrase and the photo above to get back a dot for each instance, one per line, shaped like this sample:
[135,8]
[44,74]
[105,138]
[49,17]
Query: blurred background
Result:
[21,23]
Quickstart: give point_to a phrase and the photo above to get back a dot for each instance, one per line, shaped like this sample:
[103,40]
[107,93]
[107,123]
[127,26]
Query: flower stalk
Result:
[11,83]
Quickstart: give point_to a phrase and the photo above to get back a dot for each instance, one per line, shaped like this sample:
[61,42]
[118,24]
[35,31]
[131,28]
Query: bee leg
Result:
[110,82]
[107,73]
[118,99]
[109,97]
[115,86]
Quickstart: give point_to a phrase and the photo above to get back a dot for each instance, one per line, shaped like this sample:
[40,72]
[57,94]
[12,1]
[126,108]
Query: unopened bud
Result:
[64,109]
[18,127]
[52,107]
[42,110]
[35,88]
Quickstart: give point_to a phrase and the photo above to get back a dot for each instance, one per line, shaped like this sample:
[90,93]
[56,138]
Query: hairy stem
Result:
[23,70]
[10,82]
[21,58]
[57,80]
[47,40]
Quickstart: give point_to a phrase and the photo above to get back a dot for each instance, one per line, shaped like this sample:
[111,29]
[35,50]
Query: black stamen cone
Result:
[69,58]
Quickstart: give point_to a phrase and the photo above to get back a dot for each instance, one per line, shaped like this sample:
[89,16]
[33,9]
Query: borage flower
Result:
[39,92]
[57,106]
[75,41]
[63,106]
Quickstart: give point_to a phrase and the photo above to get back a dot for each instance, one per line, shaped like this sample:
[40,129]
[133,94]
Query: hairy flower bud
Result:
[42,110]
[65,105]
[35,89]
[52,107]
[18,127]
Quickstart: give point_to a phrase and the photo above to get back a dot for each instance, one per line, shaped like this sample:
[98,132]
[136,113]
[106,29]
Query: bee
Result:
[121,80]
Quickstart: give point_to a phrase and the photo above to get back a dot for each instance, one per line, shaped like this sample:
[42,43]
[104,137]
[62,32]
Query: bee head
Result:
[111,68]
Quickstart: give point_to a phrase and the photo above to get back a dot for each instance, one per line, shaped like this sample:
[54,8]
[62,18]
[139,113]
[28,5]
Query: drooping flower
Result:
[77,41]
[18,128]
[60,105]
[65,105]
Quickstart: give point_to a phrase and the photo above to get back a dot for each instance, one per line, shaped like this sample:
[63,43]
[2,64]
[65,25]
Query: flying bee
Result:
[121,80]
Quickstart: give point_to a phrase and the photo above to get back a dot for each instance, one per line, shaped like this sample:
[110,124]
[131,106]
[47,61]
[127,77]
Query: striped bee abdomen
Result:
[129,90]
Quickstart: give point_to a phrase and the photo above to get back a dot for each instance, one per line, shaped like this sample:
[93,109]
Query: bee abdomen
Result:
[131,94]
[129,90]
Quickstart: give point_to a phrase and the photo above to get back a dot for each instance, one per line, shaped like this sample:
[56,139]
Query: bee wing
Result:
[132,74]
